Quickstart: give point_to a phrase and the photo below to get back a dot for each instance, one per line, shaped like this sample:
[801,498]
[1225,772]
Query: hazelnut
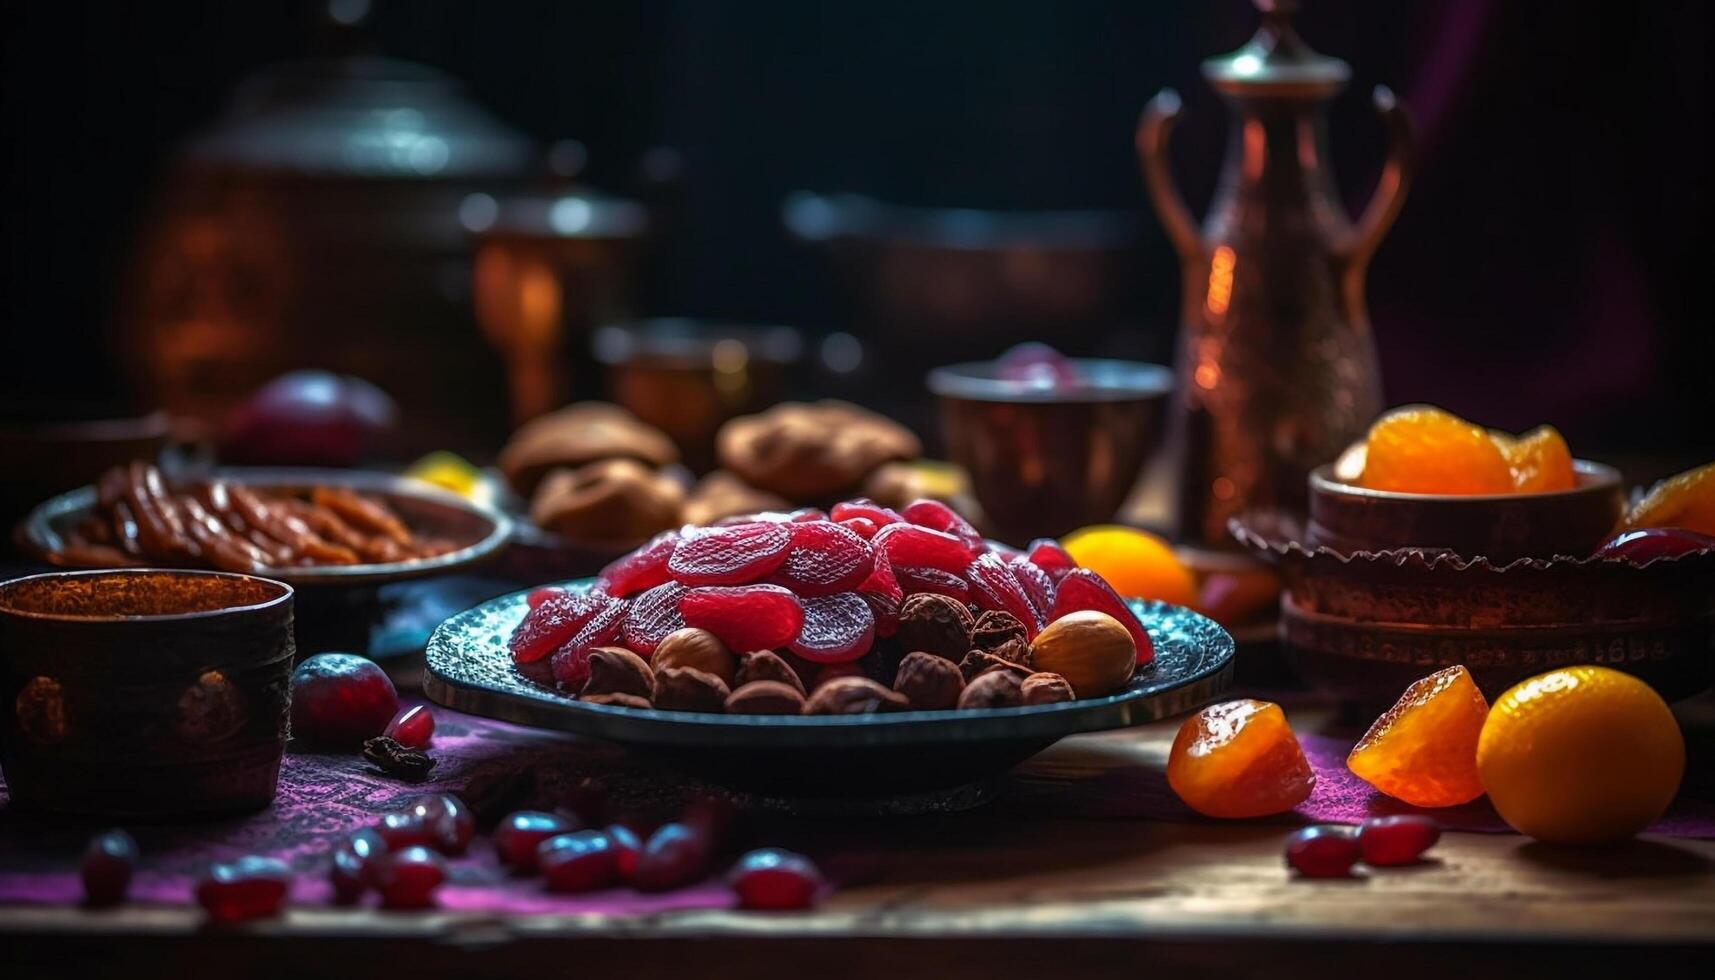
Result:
[934,624]
[692,647]
[616,670]
[833,672]
[995,689]
[979,662]
[765,698]
[689,689]
[853,696]
[1043,688]
[929,682]
[617,699]
[766,665]
[994,627]
[1090,649]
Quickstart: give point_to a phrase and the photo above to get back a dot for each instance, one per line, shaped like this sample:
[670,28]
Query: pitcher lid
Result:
[1276,61]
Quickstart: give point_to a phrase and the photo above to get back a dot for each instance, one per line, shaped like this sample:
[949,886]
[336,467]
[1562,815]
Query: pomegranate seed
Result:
[447,820]
[1038,365]
[865,509]
[626,850]
[579,862]
[248,888]
[1082,589]
[746,617]
[1046,554]
[732,555]
[1323,851]
[542,594]
[937,516]
[518,836]
[1388,841]
[405,828]
[356,865]
[108,863]
[642,569]
[1648,544]
[547,627]
[675,856]
[413,727]
[341,699]
[716,817]
[410,877]
[775,880]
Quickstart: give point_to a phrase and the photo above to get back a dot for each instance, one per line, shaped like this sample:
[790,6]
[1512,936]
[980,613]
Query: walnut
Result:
[1044,688]
[995,689]
[616,670]
[929,682]
[1016,651]
[853,696]
[609,500]
[692,647]
[689,689]
[586,432]
[934,624]
[979,662]
[766,665]
[995,627]
[812,451]
[765,698]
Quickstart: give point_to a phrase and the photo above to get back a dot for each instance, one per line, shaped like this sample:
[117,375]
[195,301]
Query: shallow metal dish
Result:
[850,756]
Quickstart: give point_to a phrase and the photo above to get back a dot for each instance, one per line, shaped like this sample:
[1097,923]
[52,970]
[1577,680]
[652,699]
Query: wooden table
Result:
[1007,890]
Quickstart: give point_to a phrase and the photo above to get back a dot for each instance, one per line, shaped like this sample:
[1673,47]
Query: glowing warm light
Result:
[1220,281]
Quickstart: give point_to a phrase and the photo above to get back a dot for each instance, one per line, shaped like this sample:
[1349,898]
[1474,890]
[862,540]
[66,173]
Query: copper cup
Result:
[1045,461]
[144,693]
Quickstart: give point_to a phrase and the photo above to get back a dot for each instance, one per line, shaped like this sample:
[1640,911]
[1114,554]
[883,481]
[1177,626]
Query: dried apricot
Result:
[1421,449]
[1540,460]
[1684,501]
[1239,759]
[1423,750]
[1137,564]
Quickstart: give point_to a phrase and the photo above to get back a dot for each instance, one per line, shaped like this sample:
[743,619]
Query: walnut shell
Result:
[995,689]
[995,627]
[766,665]
[689,689]
[692,647]
[1090,649]
[765,698]
[1044,688]
[979,662]
[928,681]
[616,670]
[853,696]
[934,624]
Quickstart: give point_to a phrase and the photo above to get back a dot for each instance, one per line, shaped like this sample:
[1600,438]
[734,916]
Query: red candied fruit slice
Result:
[884,595]
[642,569]
[1046,554]
[806,514]
[863,527]
[910,546]
[937,516]
[837,629]
[652,616]
[571,663]
[1037,586]
[730,555]
[548,626]
[542,594]
[865,508]
[1084,589]
[993,586]
[746,617]
[825,558]
[914,580]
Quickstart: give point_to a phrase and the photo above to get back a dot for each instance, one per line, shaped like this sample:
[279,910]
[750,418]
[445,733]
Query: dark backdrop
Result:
[1543,269]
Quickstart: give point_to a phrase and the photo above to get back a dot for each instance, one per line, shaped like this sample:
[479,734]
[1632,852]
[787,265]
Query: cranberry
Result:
[518,836]
[675,856]
[449,823]
[1648,544]
[341,699]
[108,863]
[404,828]
[412,727]
[1323,851]
[626,849]
[542,594]
[1387,841]
[248,888]
[772,879]
[410,877]
[578,862]
[356,865]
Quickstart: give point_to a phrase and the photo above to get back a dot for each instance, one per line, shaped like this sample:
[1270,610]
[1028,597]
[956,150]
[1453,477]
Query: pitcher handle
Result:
[1153,129]
[1395,178]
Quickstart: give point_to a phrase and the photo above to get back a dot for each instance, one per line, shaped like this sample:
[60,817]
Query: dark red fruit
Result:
[547,627]
[1037,586]
[340,699]
[652,616]
[866,509]
[542,594]
[730,555]
[627,848]
[715,816]
[1648,544]
[938,516]
[413,727]
[863,527]
[825,558]
[949,584]
[642,569]
[837,628]
[993,586]
[1388,841]
[248,888]
[521,833]
[1323,851]
[449,823]
[585,802]
[109,860]
[578,862]
[1038,366]
[884,595]
[746,617]
[910,546]
[357,865]
[774,880]
[405,828]
[804,514]
[1046,554]
[409,878]
[1083,589]
[676,855]
[571,663]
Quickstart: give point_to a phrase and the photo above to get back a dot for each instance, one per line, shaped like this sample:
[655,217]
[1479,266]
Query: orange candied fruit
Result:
[1540,460]
[1239,759]
[1423,750]
[1421,449]
[1684,501]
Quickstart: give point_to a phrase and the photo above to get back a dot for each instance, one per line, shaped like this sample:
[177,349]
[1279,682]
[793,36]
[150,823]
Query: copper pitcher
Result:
[1277,368]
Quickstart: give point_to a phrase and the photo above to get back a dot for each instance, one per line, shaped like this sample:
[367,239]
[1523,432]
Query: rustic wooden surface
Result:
[1009,889]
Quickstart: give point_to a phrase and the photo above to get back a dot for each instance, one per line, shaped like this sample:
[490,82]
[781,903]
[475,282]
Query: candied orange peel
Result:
[1239,759]
[1423,449]
[1423,750]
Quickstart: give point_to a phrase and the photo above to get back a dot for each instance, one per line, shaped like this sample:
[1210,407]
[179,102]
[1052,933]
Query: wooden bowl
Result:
[144,693]
[1501,527]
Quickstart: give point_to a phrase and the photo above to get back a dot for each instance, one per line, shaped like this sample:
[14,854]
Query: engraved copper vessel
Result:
[1277,368]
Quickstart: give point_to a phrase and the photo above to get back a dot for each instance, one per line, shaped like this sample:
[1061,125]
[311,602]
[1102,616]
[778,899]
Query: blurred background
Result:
[829,166]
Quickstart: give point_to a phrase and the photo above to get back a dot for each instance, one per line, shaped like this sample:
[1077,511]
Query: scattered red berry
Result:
[746,617]
[413,727]
[409,878]
[109,861]
[248,888]
[339,700]
[449,824]
[585,802]
[521,833]
[578,862]
[627,848]
[356,865]
[1388,841]
[775,880]
[676,855]
[1323,851]
[730,555]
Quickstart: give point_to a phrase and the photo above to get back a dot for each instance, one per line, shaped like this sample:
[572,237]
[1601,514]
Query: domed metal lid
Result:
[1276,61]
